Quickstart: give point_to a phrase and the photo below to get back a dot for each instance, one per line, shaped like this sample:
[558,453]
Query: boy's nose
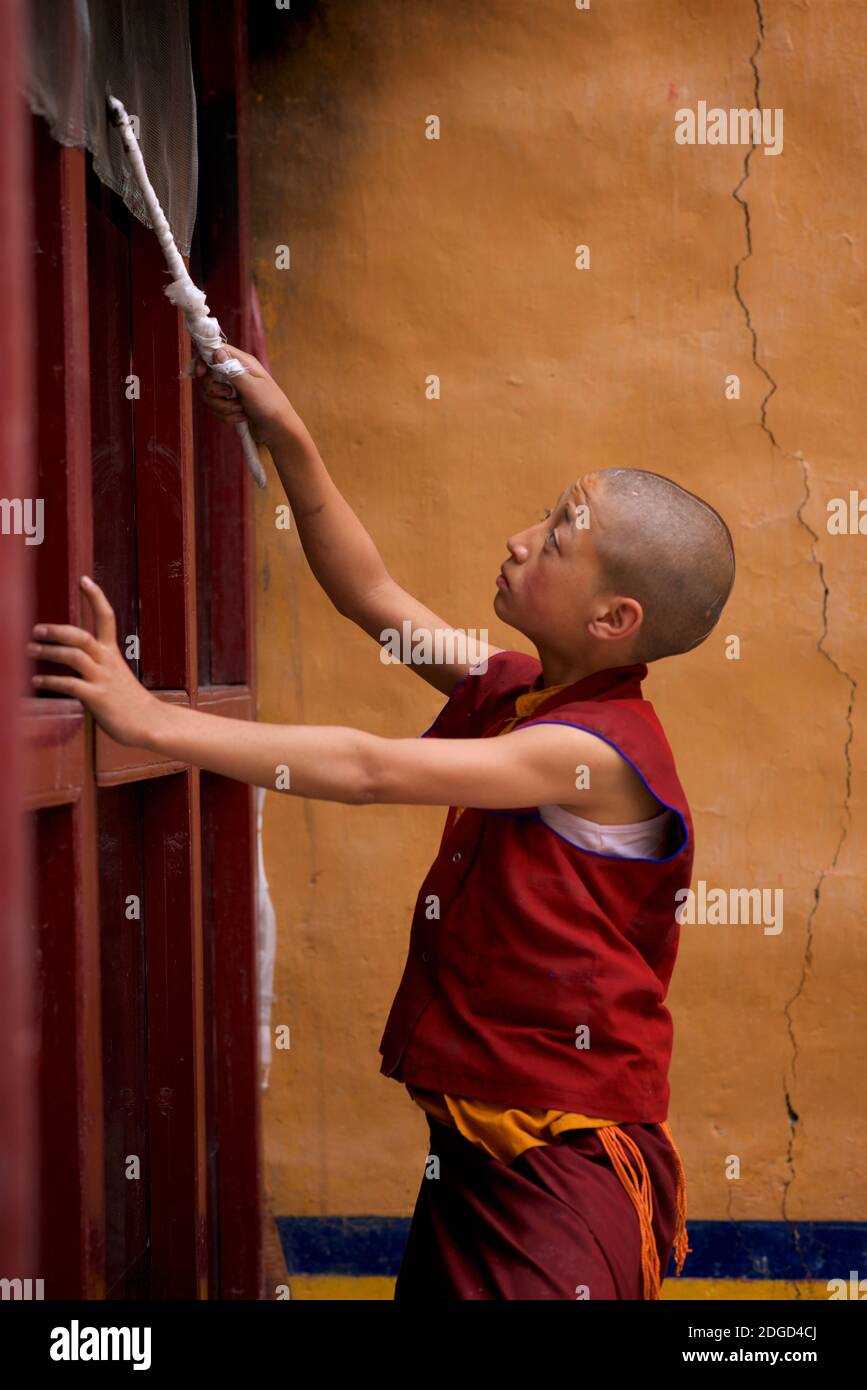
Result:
[517,548]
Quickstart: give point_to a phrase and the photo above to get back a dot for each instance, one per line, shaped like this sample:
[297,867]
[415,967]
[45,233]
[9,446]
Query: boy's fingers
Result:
[64,685]
[106,628]
[214,388]
[253,365]
[65,634]
[226,410]
[65,656]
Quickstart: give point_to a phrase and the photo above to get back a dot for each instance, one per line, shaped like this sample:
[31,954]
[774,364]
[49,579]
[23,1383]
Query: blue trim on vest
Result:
[597,854]
[373,1245]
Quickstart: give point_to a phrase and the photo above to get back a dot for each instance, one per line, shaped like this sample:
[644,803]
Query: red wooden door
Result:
[18,1138]
[143,942]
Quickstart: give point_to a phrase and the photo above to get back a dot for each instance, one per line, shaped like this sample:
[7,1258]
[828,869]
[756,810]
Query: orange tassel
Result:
[619,1146]
[681,1236]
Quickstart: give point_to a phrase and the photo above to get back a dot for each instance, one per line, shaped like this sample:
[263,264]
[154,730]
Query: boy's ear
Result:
[622,618]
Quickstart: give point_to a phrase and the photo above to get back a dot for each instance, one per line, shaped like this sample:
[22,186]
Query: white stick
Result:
[203,328]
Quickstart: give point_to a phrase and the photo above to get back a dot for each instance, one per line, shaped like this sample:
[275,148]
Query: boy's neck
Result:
[567,670]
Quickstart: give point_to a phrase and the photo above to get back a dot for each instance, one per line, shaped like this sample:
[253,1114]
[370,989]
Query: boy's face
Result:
[549,587]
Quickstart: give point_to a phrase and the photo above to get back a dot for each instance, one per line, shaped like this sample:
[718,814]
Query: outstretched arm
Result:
[340,552]
[531,767]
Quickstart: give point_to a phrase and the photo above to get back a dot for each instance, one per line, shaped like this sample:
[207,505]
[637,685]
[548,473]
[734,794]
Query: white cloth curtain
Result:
[266,941]
[141,50]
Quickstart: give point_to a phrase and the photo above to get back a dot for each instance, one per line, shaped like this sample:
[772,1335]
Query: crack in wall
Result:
[793,1116]
[744,205]
[847,815]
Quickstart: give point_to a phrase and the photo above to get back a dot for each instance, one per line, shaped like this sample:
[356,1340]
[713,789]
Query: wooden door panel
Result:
[62,416]
[176,1061]
[221,254]
[57,739]
[115,537]
[163,475]
[146,1028]
[122,897]
[70,1063]
[231,977]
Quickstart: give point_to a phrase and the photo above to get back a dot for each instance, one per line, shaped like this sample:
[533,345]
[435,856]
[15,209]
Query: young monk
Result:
[529,1024]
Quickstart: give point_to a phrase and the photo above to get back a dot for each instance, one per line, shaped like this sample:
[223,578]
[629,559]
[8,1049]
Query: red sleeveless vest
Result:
[537,971]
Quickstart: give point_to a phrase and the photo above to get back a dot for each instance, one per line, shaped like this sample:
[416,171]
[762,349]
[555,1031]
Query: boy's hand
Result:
[259,400]
[117,700]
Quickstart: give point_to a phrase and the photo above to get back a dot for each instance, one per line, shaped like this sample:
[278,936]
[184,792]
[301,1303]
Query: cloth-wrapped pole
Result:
[203,328]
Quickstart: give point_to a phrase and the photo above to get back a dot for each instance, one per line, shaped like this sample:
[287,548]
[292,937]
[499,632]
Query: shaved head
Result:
[669,550]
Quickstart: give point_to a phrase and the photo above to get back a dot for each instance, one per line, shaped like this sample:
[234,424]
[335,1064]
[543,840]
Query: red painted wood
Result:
[244,243]
[56,941]
[53,737]
[225,568]
[18,1129]
[62,419]
[221,256]
[124,1015]
[73,1216]
[52,566]
[125,1024]
[82,1003]
[176,1060]
[165,515]
[163,478]
[230,701]
[229,846]
[69,1085]
[115,561]
[117,763]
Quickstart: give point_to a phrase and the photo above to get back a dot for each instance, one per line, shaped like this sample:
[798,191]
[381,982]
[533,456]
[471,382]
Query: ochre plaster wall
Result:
[456,257]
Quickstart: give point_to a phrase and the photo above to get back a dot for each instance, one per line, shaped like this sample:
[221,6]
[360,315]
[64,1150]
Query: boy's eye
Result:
[551,538]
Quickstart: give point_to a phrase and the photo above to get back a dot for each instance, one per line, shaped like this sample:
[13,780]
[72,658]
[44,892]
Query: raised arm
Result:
[340,552]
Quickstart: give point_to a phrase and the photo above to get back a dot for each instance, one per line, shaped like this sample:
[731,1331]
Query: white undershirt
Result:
[641,840]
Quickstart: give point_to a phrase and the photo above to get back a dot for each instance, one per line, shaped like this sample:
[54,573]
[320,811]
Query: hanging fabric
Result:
[78,49]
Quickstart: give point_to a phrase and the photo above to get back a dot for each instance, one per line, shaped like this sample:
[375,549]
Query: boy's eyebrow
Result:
[563,501]
[566,494]
[581,495]
[577,492]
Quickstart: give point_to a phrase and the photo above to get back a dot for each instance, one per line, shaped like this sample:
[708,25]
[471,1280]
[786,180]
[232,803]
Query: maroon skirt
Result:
[557,1222]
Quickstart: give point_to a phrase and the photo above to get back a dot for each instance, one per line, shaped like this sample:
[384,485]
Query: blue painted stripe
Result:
[360,1245]
[371,1245]
[775,1249]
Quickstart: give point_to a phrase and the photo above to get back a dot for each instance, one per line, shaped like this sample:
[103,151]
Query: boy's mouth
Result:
[502,581]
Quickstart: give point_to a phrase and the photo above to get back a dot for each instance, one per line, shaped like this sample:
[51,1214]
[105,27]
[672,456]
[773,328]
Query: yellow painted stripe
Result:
[341,1286]
[330,1287]
[741,1290]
